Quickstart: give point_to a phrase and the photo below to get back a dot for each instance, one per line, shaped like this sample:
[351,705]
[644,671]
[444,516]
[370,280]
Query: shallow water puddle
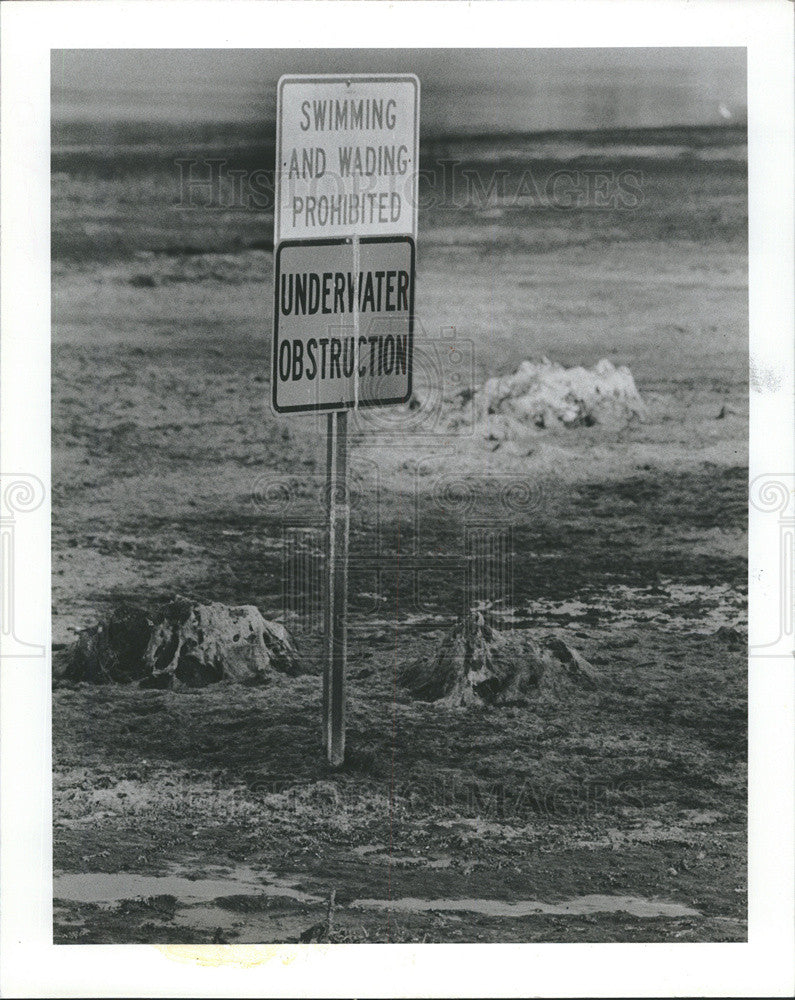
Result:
[581,906]
[102,887]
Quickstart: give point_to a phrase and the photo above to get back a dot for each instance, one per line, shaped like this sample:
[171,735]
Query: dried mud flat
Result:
[617,814]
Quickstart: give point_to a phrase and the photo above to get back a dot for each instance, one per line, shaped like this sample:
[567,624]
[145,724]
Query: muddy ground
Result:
[209,815]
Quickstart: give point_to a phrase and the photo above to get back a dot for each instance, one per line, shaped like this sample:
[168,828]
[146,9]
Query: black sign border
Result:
[352,404]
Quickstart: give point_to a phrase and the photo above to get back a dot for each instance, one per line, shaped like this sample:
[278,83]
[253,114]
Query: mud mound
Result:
[198,644]
[112,650]
[544,395]
[477,664]
[185,644]
[564,669]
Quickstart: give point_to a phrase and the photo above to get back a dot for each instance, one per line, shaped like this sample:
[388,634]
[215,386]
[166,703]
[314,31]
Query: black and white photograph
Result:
[398,496]
[541,640]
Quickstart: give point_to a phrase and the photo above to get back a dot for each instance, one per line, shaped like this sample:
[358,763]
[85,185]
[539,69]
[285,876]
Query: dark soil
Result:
[170,475]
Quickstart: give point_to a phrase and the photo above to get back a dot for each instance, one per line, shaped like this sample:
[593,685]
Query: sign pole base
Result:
[335,646]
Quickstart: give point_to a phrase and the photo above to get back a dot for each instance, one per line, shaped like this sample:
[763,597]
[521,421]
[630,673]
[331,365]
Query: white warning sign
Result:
[346,156]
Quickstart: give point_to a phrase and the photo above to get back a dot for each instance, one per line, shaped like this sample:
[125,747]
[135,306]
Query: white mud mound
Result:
[198,644]
[543,396]
[186,643]
[477,664]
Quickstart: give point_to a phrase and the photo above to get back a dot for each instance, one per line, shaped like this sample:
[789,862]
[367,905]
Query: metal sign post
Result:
[335,630]
[345,225]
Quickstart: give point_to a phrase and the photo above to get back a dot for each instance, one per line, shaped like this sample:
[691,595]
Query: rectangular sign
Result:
[346,156]
[343,323]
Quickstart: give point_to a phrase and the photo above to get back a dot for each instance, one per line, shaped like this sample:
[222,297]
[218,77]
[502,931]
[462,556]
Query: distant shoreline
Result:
[74,136]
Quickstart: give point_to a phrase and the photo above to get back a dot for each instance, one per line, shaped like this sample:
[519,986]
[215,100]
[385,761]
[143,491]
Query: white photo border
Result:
[31,964]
